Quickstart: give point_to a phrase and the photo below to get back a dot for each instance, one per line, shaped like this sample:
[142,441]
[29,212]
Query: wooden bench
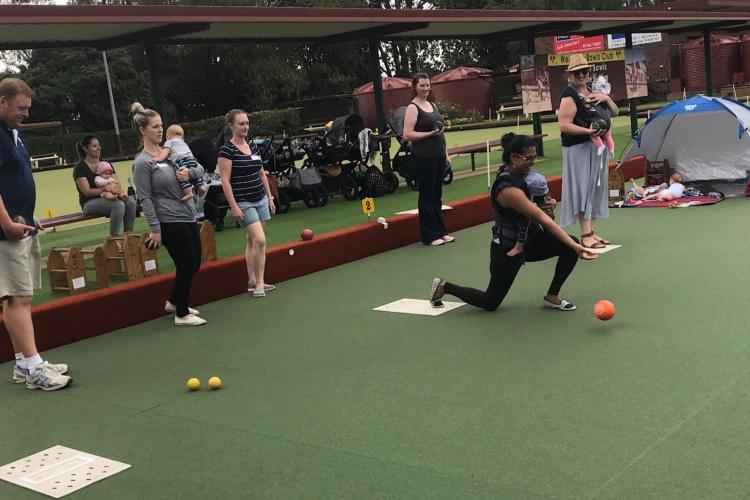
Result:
[473,149]
[508,107]
[61,220]
[56,160]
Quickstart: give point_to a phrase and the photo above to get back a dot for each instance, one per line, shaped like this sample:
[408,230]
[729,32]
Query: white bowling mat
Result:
[416,210]
[418,306]
[603,250]
[58,471]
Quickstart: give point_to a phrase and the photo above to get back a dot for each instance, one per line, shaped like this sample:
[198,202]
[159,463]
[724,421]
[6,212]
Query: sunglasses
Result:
[583,71]
[530,159]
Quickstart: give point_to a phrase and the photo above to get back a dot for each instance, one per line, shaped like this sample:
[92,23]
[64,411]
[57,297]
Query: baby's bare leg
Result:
[636,188]
[187,194]
[517,248]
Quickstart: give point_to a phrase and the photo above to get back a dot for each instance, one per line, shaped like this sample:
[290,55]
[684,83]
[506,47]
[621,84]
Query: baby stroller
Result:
[338,156]
[215,205]
[293,184]
[401,161]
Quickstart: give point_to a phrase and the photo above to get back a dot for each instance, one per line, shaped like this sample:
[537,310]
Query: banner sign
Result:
[617,41]
[544,77]
[576,43]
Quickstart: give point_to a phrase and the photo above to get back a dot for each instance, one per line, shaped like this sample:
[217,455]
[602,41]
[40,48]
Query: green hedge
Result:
[274,121]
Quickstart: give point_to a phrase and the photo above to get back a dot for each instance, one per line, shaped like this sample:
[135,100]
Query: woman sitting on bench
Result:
[94,200]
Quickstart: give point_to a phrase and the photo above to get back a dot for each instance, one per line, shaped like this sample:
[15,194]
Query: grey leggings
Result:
[119,213]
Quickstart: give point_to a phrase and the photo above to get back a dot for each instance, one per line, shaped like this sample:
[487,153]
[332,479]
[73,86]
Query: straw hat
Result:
[577,61]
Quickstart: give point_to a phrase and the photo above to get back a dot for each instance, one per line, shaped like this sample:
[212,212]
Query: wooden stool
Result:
[616,185]
[66,270]
[148,261]
[208,242]
[99,265]
[123,258]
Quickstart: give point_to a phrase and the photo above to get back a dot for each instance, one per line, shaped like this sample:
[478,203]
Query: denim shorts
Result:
[254,211]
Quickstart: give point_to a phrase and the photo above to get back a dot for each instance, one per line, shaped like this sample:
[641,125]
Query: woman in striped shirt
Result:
[247,191]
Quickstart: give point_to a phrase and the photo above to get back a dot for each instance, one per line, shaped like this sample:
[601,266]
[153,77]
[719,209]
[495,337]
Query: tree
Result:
[70,86]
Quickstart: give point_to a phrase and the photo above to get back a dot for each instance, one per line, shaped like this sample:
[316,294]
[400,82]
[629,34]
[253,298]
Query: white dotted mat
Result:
[418,306]
[58,471]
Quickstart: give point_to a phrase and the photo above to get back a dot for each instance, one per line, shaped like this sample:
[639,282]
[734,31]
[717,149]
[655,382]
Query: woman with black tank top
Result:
[585,172]
[515,213]
[423,127]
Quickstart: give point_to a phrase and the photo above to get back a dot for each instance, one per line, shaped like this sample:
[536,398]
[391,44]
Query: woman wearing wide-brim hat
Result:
[585,172]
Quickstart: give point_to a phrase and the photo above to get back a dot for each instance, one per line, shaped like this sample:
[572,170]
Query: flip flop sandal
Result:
[603,242]
[596,245]
[564,305]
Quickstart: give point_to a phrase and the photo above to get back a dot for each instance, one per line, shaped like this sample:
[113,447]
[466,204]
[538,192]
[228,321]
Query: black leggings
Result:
[503,270]
[182,241]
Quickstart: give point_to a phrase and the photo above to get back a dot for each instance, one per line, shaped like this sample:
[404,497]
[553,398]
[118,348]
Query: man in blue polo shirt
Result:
[20,272]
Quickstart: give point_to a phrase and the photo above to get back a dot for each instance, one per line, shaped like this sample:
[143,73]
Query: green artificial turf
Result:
[325,398]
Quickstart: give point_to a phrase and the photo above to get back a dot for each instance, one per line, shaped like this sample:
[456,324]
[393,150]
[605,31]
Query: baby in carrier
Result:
[600,117]
[539,190]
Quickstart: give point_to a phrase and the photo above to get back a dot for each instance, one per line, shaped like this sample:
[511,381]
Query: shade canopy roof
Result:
[36,26]
[702,5]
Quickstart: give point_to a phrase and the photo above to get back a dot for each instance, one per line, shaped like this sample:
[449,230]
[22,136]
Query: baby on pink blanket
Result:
[663,192]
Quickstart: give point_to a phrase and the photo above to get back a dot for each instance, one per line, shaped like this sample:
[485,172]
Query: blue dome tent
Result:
[704,138]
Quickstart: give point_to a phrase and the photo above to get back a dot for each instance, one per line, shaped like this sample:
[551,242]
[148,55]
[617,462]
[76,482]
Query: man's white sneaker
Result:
[189,320]
[47,378]
[19,375]
[171,308]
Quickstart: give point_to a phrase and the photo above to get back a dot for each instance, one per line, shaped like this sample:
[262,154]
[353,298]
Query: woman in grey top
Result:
[171,221]
[423,127]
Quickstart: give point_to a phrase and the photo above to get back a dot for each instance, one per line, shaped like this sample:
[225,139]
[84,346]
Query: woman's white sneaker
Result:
[189,320]
[171,309]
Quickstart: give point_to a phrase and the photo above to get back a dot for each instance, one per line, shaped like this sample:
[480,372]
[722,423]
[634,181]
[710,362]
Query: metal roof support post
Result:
[377,87]
[112,103]
[157,93]
[631,102]
[536,118]
[707,52]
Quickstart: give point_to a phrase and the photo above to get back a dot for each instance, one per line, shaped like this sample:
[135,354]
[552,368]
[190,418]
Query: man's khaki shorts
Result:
[20,267]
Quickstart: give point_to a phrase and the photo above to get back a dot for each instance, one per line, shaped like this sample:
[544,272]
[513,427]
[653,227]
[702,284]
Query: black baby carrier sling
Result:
[510,226]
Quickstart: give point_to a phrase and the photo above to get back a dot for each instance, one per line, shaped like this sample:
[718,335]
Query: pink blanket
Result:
[685,201]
